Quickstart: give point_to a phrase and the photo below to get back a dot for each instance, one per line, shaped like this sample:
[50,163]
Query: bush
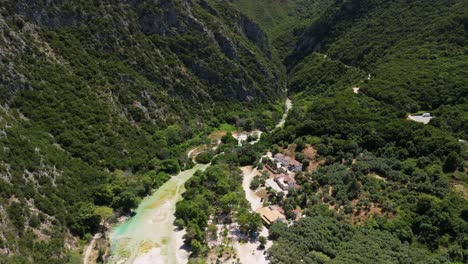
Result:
[205,157]
[255,183]
[34,221]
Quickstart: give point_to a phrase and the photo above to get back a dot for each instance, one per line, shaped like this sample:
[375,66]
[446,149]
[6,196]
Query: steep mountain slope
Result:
[283,20]
[100,99]
[95,93]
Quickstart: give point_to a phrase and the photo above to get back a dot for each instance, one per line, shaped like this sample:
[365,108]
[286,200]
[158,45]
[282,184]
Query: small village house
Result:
[295,166]
[285,182]
[287,162]
[272,184]
[270,216]
[284,160]
[270,166]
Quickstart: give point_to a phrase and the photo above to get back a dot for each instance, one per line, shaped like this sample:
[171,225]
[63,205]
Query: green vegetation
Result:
[97,108]
[384,193]
[205,157]
[226,127]
[283,20]
[348,244]
[215,196]
[418,65]
[216,193]
[99,102]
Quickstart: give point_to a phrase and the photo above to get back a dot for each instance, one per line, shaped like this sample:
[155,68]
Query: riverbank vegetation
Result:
[120,188]
[215,196]
[98,110]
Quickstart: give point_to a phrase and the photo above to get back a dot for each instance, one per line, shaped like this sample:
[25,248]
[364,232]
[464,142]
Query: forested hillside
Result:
[100,99]
[389,190]
[414,51]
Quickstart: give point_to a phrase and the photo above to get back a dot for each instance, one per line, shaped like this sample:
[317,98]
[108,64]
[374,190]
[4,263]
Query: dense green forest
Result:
[100,100]
[217,194]
[389,190]
[415,66]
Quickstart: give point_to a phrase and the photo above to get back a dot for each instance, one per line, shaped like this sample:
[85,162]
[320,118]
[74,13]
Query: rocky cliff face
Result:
[326,29]
[209,53]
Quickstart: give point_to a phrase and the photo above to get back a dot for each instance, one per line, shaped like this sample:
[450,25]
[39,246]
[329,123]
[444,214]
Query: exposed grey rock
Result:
[227,46]
[159,21]
[207,7]
[46,13]
[255,34]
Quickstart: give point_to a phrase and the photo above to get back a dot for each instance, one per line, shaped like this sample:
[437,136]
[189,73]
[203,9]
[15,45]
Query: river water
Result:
[150,236]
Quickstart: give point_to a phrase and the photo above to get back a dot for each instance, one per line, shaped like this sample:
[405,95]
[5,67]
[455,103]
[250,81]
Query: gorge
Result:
[100,101]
